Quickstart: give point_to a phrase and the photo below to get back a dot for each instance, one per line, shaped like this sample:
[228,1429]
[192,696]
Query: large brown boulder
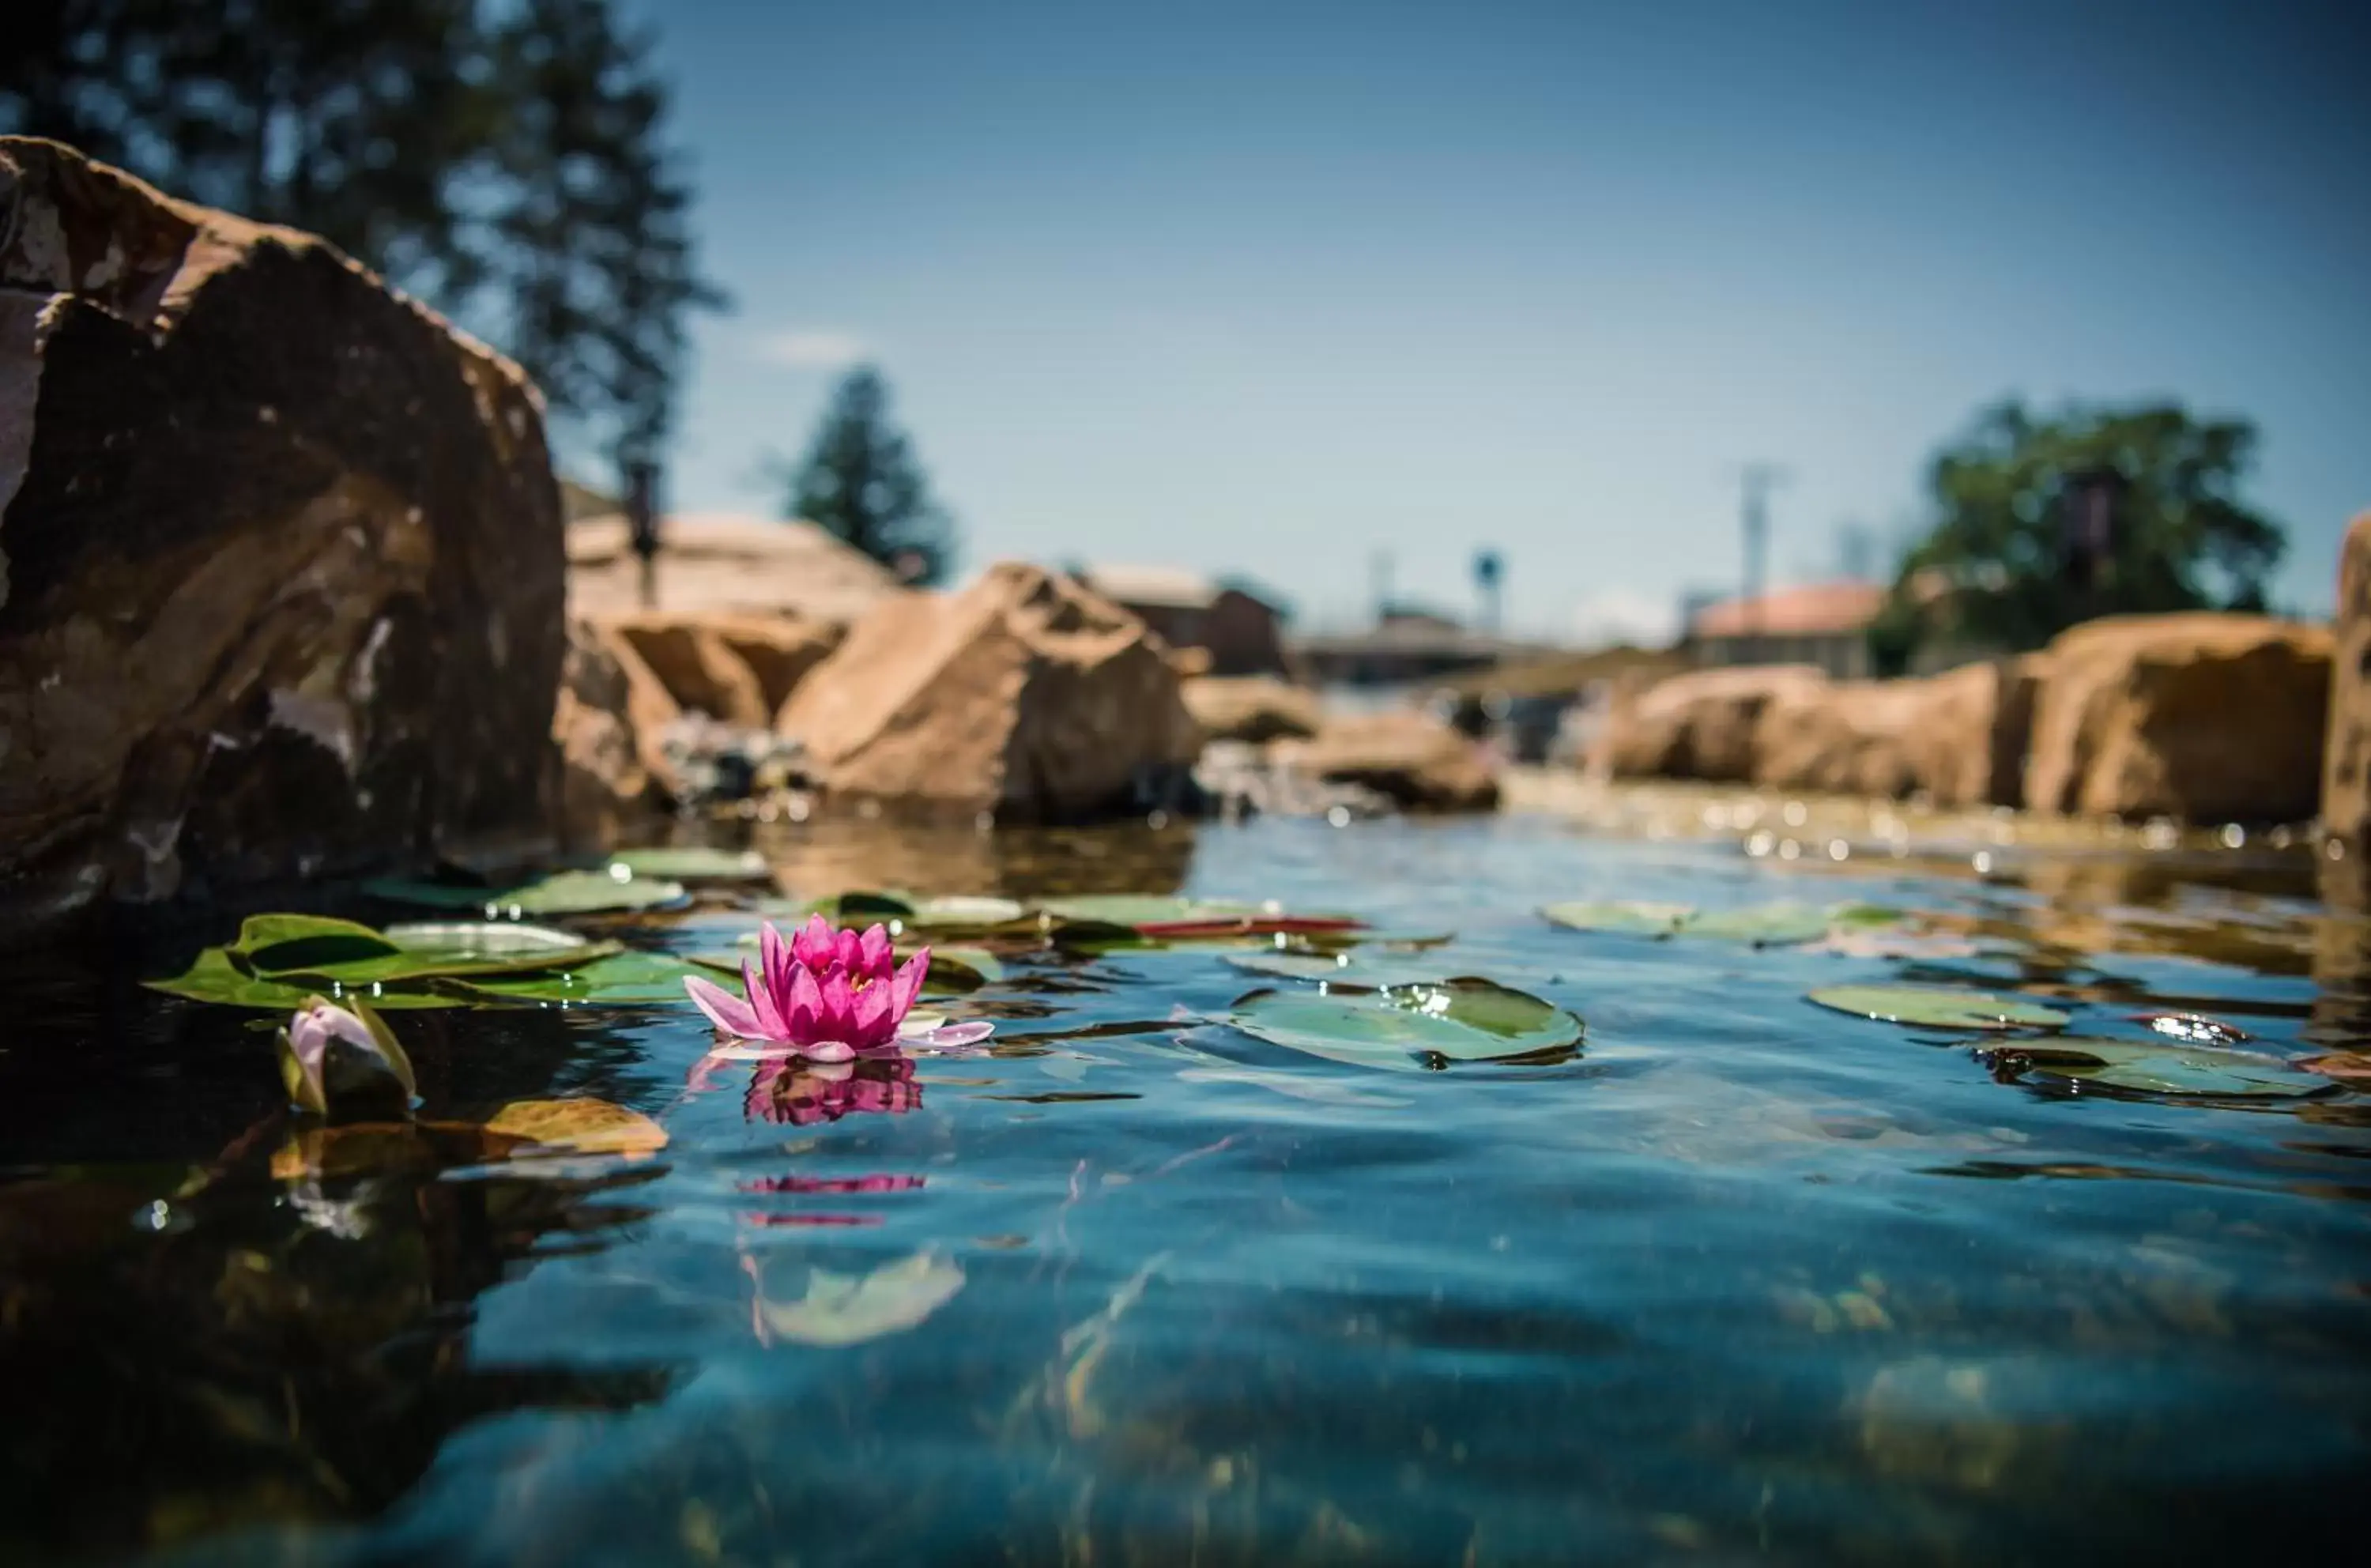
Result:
[1699,725]
[1412,758]
[1958,738]
[1024,696]
[2202,717]
[2346,762]
[1252,707]
[284,565]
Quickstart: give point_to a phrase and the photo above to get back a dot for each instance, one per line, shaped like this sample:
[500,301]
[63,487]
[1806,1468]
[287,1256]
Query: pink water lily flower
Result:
[827,994]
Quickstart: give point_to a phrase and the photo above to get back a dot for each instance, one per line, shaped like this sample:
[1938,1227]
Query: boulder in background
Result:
[2202,717]
[1024,696]
[1252,707]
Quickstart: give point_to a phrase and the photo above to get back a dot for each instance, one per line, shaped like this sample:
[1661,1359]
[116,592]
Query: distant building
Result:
[1242,631]
[1825,624]
[1406,646]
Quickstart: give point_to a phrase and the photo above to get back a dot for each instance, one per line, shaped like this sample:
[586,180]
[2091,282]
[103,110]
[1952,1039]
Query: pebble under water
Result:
[1743,1278]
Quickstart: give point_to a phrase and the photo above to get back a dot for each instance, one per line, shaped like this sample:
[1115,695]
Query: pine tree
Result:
[502,158]
[862,481]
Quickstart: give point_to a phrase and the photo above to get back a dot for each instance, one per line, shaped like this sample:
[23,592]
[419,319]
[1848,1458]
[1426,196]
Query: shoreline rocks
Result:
[2346,761]
[2204,717]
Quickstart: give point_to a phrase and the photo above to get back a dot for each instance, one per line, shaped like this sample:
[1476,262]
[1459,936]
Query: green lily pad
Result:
[692,864]
[1937,1006]
[958,968]
[281,960]
[1409,1028]
[1762,925]
[628,978]
[1626,918]
[1344,966]
[481,938]
[965,913]
[1147,915]
[2158,1066]
[563,893]
[212,976]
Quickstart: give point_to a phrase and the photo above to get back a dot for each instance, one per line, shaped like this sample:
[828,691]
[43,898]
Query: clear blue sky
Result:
[1267,288]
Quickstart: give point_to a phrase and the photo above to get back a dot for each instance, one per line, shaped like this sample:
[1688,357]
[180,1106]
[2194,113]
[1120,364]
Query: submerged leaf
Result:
[582,1126]
[845,1309]
[1937,1006]
[1428,1024]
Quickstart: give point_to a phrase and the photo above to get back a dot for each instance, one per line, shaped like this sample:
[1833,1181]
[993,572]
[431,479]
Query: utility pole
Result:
[642,524]
[1757,479]
[1379,566]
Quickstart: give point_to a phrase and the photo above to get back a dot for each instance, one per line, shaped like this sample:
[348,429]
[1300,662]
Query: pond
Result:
[1157,1274]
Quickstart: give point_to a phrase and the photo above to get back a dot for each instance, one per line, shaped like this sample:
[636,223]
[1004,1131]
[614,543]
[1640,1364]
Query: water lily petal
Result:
[847,951]
[777,965]
[949,1036]
[806,1020]
[873,952]
[815,946]
[908,985]
[725,1011]
[837,1020]
[828,1050]
[771,1025]
[874,1023]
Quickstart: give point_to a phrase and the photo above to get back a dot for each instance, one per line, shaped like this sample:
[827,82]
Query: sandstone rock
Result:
[779,650]
[284,565]
[713,564]
[696,665]
[1252,707]
[1024,696]
[606,784]
[2346,764]
[1412,758]
[1958,738]
[1699,725]
[2202,717]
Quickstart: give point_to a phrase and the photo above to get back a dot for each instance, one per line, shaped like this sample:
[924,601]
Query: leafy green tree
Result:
[2010,560]
[502,158]
[860,481]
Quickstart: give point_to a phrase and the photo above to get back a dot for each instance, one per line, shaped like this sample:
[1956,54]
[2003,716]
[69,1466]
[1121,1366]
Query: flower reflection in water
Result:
[813,1185]
[803,1092]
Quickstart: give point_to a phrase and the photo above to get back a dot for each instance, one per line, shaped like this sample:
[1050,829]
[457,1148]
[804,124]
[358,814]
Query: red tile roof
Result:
[1822,609]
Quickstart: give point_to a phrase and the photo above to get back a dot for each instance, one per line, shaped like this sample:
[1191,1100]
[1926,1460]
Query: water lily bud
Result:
[345,1063]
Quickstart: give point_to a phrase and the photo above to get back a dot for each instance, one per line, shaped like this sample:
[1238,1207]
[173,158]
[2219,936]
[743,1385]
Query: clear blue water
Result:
[1746,1279]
